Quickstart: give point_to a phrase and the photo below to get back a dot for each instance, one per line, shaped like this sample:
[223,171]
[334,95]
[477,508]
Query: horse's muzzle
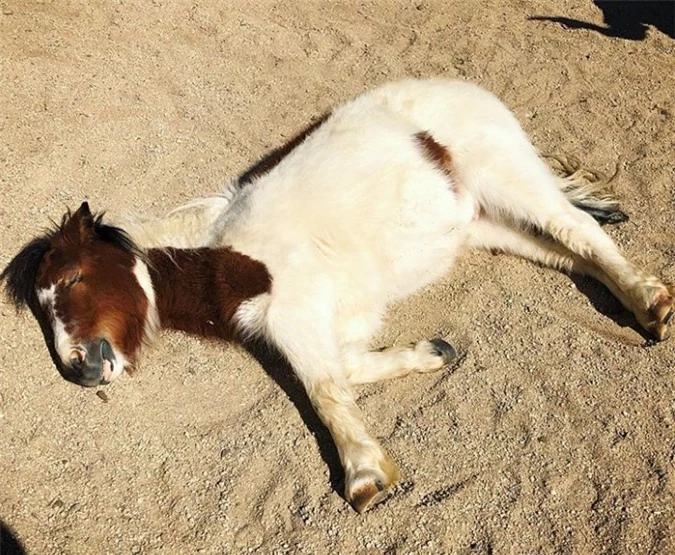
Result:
[91,365]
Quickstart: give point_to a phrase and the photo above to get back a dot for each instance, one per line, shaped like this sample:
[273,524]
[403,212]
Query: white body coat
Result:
[358,216]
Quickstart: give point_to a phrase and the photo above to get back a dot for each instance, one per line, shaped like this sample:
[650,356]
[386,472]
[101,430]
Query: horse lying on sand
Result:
[376,202]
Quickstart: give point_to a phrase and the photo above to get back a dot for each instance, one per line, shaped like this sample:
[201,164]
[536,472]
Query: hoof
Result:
[662,313]
[444,349]
[367,488]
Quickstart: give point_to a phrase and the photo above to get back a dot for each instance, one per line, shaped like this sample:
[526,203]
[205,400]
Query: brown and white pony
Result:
[376,202]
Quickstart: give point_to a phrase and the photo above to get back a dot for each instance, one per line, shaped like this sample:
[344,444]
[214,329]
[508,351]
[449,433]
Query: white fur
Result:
[250,317]
[119,364]
[152,323]
[357,217]
[188,226]
[62,341]
[47,296]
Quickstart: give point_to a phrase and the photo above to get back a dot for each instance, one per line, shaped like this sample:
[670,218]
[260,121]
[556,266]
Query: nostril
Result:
[76,359]
[76,364]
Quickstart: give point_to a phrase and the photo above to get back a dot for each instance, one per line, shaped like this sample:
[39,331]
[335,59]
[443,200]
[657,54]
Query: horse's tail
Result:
[589,190]
[187,227]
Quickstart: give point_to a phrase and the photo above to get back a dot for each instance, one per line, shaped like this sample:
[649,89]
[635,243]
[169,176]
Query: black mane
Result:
[116,236]
[21,273]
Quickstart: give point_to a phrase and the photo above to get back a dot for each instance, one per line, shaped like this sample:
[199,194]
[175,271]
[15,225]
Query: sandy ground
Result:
[555,433]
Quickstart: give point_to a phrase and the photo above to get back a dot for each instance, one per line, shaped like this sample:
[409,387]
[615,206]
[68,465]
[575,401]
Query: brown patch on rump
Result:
[435,152]
[199,290]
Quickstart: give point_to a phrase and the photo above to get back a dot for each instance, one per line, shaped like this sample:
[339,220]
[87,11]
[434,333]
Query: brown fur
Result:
[105,300]
[435,153]
[273,158]
[199,290]
[91,265]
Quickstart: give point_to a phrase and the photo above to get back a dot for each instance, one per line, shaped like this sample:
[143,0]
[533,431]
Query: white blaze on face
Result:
[62,341]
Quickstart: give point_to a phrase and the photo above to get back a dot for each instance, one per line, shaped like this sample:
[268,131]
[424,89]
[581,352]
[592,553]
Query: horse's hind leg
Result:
[498,236]
[539,203]
[645,295]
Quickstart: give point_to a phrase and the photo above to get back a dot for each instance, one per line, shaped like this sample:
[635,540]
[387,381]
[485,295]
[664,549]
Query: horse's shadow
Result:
[608,305]
[276,366]
[9,543]
[625,19]
[272,158]
[273,362]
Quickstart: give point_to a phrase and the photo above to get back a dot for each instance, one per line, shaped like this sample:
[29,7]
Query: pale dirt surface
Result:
[556,432]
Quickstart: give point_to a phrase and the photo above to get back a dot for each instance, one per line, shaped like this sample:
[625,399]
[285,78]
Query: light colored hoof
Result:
[661,313]
[368,486]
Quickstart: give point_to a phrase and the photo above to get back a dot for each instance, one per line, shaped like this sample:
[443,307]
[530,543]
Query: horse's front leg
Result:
[307,341]
[369,470]
[367,366]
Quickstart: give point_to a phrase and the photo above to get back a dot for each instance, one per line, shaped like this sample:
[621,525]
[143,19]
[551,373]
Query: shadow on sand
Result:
[625,19]
[273,362]
[609,306]
[276,366]
[9,543]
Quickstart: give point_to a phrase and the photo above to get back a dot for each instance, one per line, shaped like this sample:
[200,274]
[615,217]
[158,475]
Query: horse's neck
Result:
[199,290]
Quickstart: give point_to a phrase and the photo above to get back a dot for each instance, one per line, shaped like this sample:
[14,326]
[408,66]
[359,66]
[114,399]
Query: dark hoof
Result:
[616,217]
[444,349]
[661,313]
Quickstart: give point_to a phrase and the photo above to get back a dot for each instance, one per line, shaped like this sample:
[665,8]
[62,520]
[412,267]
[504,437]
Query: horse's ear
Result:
[83,212]
[79,225]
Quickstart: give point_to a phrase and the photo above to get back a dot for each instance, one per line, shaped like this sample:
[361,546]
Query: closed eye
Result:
[72,280]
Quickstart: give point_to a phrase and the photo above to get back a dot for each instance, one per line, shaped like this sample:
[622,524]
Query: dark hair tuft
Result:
[21,273]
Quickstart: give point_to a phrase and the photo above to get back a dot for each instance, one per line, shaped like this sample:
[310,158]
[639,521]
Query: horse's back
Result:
[360,192]
[362,213]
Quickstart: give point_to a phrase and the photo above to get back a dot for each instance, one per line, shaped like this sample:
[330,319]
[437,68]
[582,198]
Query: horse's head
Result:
[89,288]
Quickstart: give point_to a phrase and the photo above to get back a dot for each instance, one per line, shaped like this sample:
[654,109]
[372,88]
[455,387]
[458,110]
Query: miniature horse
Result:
[376,202]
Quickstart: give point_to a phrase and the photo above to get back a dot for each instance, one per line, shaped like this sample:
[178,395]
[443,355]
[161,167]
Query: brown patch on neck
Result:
[199,290]
[436,153]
